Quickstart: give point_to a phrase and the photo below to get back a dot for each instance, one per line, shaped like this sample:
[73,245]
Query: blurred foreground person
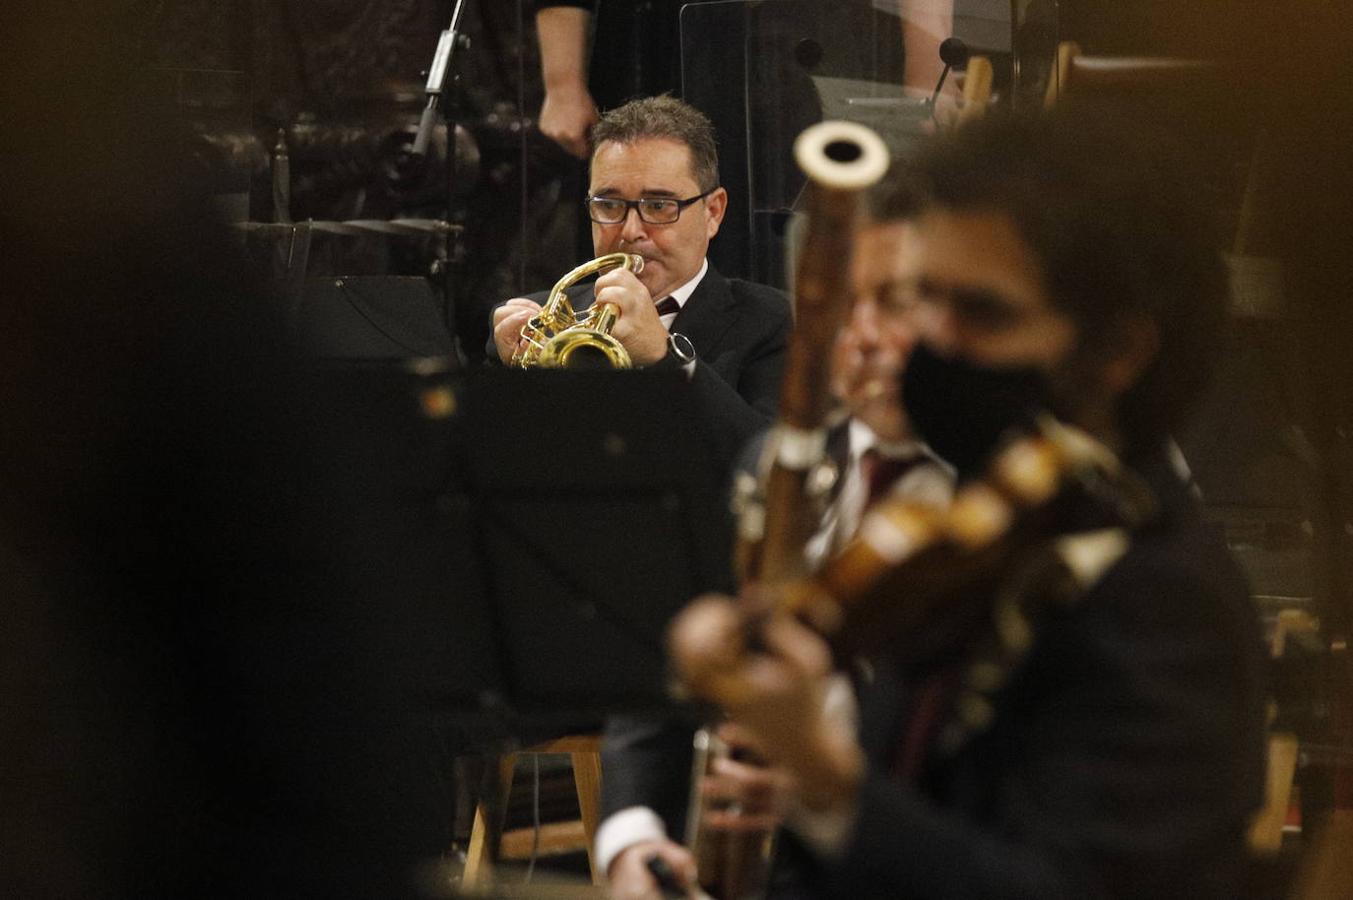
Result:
[1120,754]
[192,698]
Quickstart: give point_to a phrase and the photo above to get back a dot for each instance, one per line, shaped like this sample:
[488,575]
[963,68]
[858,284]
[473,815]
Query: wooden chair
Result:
[585,755]
[977,81]
[1127,76]
[1266,830]
[1326,870]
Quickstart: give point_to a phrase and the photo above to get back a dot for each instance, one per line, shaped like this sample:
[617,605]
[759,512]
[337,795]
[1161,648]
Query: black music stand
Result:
[593,510]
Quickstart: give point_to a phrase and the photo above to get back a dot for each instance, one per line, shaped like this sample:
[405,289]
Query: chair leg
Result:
[1067,51]
[490,816]
[1266,831]
[587,780]
[977,82]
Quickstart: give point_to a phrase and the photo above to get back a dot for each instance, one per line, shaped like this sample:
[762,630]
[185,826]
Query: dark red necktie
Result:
[668,305]
[881,472]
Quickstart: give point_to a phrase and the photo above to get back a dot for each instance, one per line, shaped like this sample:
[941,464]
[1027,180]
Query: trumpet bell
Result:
[559,338]
[584,348]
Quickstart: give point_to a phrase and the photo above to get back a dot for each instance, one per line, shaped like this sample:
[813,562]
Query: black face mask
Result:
[962,410]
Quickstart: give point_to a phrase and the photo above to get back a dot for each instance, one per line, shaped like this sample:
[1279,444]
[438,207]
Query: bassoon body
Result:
[777,518]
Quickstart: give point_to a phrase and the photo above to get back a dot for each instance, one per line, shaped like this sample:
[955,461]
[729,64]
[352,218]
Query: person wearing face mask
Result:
[1050,269]
[654,192]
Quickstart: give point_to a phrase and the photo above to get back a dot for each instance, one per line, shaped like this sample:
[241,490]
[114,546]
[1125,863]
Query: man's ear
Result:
[1136,347]
[716,204]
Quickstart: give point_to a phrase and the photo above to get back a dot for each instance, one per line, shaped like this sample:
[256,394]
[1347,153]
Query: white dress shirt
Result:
[931,480]
[682,294]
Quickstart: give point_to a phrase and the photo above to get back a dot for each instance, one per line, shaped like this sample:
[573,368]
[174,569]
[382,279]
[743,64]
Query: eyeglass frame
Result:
[634,205]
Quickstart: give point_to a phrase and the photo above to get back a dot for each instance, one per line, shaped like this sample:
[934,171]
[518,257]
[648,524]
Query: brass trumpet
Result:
[558,338]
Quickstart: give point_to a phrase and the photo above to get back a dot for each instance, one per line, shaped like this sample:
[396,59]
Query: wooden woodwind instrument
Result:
[780,513]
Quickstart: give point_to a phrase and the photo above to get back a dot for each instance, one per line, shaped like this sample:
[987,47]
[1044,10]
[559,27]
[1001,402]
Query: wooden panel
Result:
[555,838]
[1327,869]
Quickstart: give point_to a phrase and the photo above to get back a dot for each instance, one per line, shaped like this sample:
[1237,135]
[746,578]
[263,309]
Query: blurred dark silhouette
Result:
[195,698]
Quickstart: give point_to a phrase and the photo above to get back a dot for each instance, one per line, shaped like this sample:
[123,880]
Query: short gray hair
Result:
[664,117]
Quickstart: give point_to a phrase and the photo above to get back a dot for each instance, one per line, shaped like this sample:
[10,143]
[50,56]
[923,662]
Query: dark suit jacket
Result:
[740,331]
[1124,761]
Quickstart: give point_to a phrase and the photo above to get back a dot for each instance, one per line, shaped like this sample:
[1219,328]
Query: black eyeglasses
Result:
[653,210]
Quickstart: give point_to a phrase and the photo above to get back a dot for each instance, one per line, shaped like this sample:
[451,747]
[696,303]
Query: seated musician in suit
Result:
[876,454]
[877,451]
[1119,752]
[654,191]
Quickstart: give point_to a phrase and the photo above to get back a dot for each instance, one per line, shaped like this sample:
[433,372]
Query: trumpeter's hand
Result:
[508,321]
[638,327]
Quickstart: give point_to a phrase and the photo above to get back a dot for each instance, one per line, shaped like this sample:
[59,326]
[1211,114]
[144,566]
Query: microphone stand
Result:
[450,39]
[954,55]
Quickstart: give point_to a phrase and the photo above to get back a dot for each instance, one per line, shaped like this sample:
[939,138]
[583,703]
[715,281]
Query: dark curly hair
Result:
[1113,221]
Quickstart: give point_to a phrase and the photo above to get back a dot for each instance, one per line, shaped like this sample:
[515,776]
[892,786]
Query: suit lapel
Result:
[708,314]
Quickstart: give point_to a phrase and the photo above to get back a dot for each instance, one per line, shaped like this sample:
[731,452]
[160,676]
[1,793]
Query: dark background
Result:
[186,590]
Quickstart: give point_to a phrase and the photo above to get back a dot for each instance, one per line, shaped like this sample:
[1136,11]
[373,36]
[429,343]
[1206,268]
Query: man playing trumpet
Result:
[654,191]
